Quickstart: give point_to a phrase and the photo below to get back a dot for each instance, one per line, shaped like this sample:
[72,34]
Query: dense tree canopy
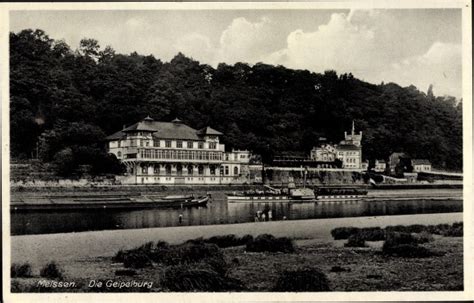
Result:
[69,100]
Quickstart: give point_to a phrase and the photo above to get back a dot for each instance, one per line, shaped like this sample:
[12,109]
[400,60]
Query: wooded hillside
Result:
[74,98]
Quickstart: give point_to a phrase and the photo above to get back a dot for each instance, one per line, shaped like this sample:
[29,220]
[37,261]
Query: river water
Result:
[222,212]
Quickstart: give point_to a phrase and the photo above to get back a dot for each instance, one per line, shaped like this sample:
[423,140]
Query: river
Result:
[381,203]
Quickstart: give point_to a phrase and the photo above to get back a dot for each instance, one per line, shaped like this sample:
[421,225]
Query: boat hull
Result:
[340,197]
[237,199]
[94,204]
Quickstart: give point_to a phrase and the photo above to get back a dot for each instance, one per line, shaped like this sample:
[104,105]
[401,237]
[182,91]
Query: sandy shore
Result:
[39,249]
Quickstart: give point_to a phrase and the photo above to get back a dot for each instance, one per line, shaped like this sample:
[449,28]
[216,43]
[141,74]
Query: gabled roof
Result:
[420,162]
[116,136]
[141,126]
[209,131]
[165,130]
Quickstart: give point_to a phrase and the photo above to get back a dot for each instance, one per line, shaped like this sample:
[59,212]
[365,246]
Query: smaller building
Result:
[380,165]
[365,165]
[421,165]
[348,151]
[325,152]
[400,163]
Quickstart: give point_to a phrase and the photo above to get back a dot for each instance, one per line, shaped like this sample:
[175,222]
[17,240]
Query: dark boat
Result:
[118,202]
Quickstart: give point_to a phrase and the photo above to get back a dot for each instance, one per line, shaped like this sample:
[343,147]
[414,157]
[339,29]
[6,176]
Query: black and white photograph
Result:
[239,149]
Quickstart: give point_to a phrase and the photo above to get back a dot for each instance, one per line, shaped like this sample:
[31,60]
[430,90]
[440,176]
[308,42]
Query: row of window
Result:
[179,144]
[351,160]
[224,170]
[178,155]
[352,153]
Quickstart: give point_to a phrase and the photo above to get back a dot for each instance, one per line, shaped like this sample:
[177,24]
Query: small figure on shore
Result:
[270,215]
[264,217]
[256,217]
[284,217]
[259,214]
[180,218]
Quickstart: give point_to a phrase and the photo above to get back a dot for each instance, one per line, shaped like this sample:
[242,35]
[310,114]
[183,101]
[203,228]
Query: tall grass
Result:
[269,243]
[20,270]
[183,278]
[405,245]
[52,271]
[307,279]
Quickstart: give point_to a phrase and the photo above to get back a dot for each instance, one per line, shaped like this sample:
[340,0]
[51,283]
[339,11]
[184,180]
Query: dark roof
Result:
[165,130]
[348,147]
[420,162]
[115,136]
[141,126]
[209,131]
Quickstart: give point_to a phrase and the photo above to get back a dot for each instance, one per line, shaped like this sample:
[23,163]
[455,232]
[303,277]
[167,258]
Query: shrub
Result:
[20,270]
[136,259]
[342,233]
[51,271]
[355,241]
[453,232]
[189,252]
[407,251]
[119,256]
[182,278]
[224,241]
[310,279]
[371,234]
[269,243]
[396,238]
[218,264]
[423,237]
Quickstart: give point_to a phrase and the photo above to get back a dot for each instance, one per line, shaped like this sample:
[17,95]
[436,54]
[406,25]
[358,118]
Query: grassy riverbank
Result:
[347,269]
[84,257]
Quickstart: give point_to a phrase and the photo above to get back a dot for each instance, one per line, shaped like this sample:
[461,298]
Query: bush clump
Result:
[308,279]
[423,237]
[185,253]
[372,234]
[269,243]
[407,251]
[229,240]
[51,271]
[367,233]
[343,233]
[136,259]
[182,278]
[355,241]
[404,245]
[397,238]
[188,252]
[20,270]
[224,241]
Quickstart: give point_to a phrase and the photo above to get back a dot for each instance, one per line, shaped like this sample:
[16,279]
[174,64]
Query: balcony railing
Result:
[183,155]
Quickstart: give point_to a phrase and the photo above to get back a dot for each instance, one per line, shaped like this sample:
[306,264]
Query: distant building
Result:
[400,163]
[157,152]
[325,152]
[421,165]
[380,165]
[365,165]
[348,151]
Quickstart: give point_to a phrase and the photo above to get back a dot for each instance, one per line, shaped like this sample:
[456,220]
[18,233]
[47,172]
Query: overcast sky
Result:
[415,46]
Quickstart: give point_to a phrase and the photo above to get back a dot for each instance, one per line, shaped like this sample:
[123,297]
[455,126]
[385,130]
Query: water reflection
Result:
[218,212]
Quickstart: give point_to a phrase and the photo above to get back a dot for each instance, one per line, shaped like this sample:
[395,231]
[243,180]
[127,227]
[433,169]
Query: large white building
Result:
[173,153]
[349,151]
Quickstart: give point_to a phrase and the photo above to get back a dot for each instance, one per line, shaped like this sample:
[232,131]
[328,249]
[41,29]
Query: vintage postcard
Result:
[241,152]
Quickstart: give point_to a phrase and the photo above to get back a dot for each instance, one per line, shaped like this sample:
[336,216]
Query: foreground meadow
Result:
[400,258]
